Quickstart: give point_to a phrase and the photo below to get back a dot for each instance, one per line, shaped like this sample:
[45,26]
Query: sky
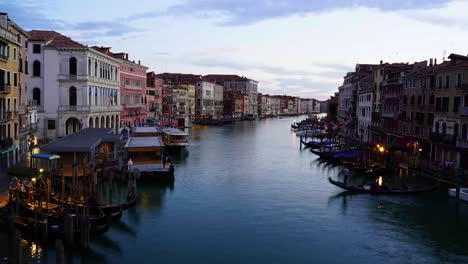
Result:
[295,47]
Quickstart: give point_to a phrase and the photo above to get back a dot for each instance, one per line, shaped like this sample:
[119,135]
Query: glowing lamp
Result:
[33,180]
[381,149]
[41,170]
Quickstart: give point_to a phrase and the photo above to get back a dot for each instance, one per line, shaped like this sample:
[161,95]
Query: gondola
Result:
[382,190]
[114,212]
[316,144]
[331,153]
[54,230]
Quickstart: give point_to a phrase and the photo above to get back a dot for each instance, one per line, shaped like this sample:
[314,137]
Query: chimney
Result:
[381,62]
[4,20]
[430,62]
[138,61]
[435,61]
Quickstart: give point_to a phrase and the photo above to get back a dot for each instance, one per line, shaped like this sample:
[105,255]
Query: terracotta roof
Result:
[64,42]
[42,35]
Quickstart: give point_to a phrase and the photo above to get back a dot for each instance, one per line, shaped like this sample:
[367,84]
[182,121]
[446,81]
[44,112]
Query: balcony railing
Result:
[464,110]
[133,105]
[4,33]
[462,143]
[5,116]
[88,108]
[32,105]
[443,138]
[6,89]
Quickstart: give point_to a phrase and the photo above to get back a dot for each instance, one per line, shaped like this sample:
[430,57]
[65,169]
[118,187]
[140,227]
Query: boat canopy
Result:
[175,132]
[144,142]
[45,156]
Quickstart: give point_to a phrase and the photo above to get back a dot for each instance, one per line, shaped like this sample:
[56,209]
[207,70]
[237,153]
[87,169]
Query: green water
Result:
[246,193]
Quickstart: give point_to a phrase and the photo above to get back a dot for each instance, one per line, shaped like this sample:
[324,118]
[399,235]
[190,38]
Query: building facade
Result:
[11,45]
[73,85]
[154,87]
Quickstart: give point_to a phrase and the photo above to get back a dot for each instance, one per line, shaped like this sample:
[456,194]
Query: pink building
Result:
[132,88]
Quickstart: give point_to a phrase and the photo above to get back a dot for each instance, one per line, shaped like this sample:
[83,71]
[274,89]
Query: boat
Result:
[376,189]
[250,117]
[175,138]
[463,193]
[317,144]
[331,153]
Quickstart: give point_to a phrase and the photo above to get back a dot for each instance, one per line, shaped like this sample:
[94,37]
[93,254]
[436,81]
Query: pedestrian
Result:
[345,174]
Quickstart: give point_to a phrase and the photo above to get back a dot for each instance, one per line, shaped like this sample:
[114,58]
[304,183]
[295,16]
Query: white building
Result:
[274,103]
[218,102]
[204,99]
[74,86]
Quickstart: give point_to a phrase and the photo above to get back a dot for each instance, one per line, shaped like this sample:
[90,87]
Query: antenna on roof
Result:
[443,55]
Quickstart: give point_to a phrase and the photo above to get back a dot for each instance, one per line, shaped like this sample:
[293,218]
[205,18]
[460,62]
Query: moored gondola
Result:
[376,189]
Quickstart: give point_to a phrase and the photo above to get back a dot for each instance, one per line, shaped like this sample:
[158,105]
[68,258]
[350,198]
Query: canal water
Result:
[246,193]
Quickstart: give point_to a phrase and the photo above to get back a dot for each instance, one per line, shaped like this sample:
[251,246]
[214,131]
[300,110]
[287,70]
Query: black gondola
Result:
[382,190]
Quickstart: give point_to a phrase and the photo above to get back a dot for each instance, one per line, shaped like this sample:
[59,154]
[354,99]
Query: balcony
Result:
[462,143]
[68,77]
[32,105]
[9,36]
[88,108]
[443,139]
[464,110]
[28,128]
[6,89]
[5,116]
[133,105]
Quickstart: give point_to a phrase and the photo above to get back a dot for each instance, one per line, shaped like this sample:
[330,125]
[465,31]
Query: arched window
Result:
[464,132]
[405,100]
[455,129]
[465,100]
[444,128]
[72,65]
[412,99]
[37,95]
[419,100]
[431,99]
[36,69]
[72,96]
[437,127]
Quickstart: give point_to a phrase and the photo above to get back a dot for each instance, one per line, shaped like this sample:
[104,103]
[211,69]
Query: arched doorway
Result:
[96,122]
[107,122]
[103,124]
[72,126]
[91,122]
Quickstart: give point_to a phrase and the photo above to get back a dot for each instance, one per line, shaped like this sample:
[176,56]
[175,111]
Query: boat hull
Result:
[381,191]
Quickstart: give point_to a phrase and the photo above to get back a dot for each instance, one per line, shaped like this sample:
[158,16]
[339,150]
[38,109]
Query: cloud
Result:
[244,12]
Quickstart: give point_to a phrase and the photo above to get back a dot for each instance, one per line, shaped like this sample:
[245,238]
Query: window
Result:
[444,129]
[419,100]
[26,67]
[15,79]
[20,65]
[445,104]
[456,129]
[137,83]
[8,52]
[127,81]
[95,68]
[440,82]
[431,99]
[72,96]
[464,132]
[8,78]
[412,99]
[37,49]
[2,80]
[439,104]
[465,100]
[89,66]
[50,124]
[36,69]
[37,95]
[447,81]
[14,53]
[459,80]
[72,65]
[456,104]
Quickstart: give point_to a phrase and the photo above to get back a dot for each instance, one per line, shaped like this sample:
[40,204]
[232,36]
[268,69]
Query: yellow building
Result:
[9,96]
[191,98]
